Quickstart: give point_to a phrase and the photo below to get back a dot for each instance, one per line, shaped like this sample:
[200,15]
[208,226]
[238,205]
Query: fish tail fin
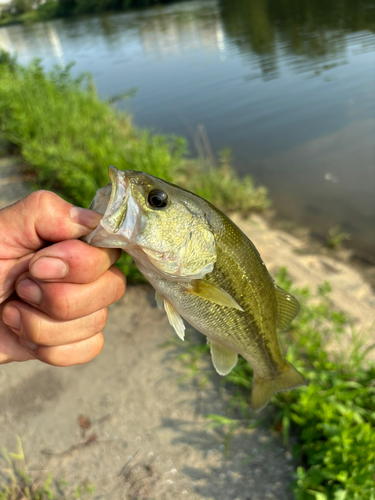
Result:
[263,389]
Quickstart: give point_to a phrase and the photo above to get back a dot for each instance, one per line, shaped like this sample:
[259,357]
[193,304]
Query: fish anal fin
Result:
[212,293]
[263,389]
[223,358]
[175,319]
[288,308]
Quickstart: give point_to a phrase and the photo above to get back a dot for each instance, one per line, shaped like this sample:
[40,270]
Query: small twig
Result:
[92,438]
[123,470]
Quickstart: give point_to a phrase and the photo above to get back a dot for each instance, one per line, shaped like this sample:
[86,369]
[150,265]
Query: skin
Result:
[53,297]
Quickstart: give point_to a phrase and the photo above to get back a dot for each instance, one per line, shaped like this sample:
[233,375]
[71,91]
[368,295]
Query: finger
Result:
[76,353]
[67,301]
[72,261]
[35,327]
[10,347]
[42,216]
[10,270]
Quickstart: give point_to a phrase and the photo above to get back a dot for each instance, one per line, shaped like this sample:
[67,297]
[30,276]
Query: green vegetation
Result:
[28,11]
[335,415]
[333,418]
[335,237]
[20,485]
[68,137]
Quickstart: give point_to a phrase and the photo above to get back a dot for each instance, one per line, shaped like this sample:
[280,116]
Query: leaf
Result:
[318,495]
[340,495]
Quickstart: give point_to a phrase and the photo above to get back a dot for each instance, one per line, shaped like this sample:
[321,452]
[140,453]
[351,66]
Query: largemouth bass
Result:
[203,269]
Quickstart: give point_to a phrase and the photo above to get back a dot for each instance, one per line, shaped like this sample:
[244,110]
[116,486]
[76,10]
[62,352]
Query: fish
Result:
[204,269]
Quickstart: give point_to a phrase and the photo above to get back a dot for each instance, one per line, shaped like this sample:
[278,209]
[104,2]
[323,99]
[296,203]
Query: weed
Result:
[22,486]
[336,236]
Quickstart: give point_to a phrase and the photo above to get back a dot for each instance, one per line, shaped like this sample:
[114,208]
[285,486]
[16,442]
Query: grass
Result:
[334,416]
[67,137]
[21,485]
[335,237]
[332,420]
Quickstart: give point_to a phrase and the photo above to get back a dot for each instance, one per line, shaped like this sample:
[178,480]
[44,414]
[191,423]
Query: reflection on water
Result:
[313,32]
[289,86]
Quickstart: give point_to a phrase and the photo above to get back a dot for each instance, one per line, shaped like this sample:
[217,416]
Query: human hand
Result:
[53,297]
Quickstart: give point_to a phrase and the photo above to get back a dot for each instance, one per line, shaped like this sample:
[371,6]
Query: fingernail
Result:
[12,317]
[29,291]
[49,268]
[28,344]
[85,217]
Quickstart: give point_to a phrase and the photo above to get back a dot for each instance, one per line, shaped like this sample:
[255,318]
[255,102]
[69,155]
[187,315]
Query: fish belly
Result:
[233,329]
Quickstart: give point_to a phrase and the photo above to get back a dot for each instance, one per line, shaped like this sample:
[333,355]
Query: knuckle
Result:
[32,327]
[119,283]
[93,262]
[99,340]
[42,198]
[59,305]
[100,320]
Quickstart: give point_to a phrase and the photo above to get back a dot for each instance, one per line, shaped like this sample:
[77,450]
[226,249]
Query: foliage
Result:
[21,486]
[219,185]
[27,11]
[336,236]
[335,414]
[68,137]
[333,418]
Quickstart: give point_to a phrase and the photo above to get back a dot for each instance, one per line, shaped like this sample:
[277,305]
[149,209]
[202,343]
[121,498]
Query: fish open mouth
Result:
[111,201]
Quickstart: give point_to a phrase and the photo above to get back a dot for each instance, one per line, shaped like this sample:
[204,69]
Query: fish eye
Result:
[157,198]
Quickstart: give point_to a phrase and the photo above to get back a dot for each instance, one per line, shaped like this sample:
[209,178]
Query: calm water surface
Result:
[288,86]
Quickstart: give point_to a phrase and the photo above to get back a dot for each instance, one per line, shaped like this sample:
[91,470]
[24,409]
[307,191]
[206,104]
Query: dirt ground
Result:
[148,437]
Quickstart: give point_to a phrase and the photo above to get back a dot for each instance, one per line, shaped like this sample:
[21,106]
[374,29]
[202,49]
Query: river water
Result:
[288,86]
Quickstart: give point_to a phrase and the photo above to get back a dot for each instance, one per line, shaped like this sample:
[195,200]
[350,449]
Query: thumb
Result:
[40,217]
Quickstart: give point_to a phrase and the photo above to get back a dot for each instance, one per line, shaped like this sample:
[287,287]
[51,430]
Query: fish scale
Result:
[204,269]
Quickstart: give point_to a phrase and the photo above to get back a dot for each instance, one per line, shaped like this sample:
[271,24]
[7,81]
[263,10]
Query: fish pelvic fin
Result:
[264,388]
[159,300]
[175,319]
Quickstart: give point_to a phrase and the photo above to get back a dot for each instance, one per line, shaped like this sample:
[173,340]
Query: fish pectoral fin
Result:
[288,308]
[213,293]
[264,388]
[175,319]
[223,358]
[159,300]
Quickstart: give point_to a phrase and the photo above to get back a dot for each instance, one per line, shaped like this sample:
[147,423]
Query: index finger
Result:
[72,261]
[41,217]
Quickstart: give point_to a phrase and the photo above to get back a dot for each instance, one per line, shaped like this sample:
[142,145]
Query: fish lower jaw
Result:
[103,237]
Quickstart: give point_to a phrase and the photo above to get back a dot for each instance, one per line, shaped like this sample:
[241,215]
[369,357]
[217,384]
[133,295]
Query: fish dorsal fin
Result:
[175,319]
[159,300]
[213,293]
[288,308]
[223,358]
